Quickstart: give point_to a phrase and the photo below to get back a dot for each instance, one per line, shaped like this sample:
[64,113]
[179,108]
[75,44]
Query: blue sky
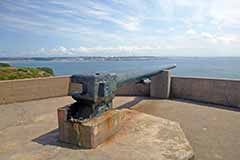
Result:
[119,28]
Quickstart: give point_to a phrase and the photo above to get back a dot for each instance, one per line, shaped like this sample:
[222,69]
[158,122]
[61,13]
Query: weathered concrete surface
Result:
[160,85]
[218,91]
[18,114]
[134,89]
[30,89]
[89,133]
[141,137]
[213,131]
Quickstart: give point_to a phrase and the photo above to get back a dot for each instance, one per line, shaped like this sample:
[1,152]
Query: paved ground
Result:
[213,131]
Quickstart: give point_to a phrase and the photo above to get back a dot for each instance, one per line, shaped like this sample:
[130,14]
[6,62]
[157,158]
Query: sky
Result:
[45,28]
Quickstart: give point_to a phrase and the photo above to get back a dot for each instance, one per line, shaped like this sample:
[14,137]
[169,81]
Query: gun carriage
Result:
[97,91]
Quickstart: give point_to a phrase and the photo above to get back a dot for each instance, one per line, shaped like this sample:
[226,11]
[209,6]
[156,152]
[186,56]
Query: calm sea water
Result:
[206,67]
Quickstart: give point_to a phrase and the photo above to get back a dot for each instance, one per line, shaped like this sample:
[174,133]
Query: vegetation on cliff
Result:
[5,65]
[8,72]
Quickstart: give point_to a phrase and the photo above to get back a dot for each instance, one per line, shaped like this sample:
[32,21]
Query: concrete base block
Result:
[160,85]
[138,136]
[89,133]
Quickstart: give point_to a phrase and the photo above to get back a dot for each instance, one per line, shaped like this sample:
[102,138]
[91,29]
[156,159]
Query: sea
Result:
[218,67]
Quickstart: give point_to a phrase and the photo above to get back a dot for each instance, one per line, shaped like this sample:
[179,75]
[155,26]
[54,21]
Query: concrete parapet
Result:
[134,89]
[160,85]
[211,90]
[30,89]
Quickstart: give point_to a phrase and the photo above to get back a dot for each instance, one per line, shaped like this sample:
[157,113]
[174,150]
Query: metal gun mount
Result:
[97,91]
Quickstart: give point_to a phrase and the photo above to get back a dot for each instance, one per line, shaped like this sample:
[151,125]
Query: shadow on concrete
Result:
[51,138]
[131,103]
[205,104]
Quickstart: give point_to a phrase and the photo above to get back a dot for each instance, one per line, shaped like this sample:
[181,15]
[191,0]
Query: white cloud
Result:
[226,39]
[191,32]
[211,38]
[171,29]
[121,48]
[130,24]
[124,26]
[63,51]
[82,16]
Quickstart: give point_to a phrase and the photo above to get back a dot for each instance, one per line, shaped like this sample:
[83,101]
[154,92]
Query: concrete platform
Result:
[213,130]
[28,130]
[141,136]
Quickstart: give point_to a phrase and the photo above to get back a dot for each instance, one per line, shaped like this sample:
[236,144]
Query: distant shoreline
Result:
[80,58]
[97,58]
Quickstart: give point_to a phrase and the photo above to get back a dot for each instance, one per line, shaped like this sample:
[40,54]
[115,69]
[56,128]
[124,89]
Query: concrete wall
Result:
[29,89]
[218,91]
[160,85]
[134,89]
[158,88]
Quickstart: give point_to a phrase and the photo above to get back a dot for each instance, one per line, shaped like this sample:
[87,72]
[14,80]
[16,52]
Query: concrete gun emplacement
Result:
[96,91]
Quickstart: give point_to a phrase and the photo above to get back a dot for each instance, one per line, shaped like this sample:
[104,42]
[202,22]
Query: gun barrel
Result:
[140,77]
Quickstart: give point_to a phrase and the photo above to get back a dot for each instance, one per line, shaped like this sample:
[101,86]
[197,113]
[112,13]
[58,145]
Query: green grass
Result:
[10,73]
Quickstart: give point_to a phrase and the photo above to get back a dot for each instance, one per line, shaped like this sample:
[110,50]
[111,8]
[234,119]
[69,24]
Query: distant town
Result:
[83,58]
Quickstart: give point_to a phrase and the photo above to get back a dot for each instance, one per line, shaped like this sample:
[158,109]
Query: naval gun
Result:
[96,91]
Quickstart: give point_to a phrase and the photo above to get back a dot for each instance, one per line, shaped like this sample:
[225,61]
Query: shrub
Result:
[9,73]
[5,65]
[47,69]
